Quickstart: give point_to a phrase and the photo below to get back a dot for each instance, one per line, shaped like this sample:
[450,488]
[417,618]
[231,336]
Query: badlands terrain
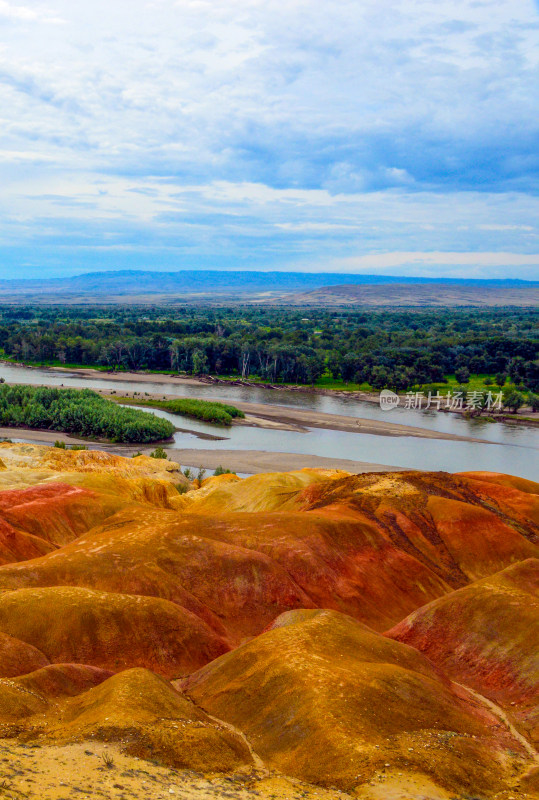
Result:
[310,634]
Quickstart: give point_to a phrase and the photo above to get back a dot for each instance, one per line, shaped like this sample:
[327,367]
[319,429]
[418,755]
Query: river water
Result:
[513,449]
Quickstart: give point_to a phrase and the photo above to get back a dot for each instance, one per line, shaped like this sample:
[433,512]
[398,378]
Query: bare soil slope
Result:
[238,627]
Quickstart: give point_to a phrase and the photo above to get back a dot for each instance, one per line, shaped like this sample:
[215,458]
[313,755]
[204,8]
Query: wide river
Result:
[512,449]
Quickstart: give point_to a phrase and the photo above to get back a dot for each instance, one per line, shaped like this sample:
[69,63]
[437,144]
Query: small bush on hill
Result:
[159,452]
[222,471]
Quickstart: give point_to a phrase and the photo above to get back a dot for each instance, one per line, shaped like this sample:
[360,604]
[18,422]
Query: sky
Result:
[372,136]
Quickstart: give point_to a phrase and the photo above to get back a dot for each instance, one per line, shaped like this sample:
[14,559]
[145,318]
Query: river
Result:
[513,449]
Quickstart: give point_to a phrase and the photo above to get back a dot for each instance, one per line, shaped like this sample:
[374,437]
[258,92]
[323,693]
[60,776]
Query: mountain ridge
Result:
[125,282]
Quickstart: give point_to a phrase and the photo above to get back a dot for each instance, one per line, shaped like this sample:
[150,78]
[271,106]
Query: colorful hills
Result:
[326,699]
[352,631]
[486,636]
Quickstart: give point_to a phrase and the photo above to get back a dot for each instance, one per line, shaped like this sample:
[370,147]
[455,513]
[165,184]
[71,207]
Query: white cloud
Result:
[26,14]
[526,228]
[478,265]
[14,156]
[330,128]
[16,12]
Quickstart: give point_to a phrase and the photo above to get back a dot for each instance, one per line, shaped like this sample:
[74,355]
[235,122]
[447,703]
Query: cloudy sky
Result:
[377,136]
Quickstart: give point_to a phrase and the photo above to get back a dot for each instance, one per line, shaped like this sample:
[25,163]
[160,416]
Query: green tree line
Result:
[385,348]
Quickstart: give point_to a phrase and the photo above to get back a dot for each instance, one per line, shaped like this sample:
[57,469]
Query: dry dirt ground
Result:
[252,462]
[94,770]
[79,770]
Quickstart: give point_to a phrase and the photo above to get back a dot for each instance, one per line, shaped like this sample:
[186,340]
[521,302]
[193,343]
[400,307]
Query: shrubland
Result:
[81,412]
[206,410]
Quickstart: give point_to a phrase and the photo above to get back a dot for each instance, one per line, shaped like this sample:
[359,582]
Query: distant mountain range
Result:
[133,283]
[428,294]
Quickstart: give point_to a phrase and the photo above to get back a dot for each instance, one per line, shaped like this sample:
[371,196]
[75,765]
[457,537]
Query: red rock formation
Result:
[55,512]
[111,631]
[373,546]
[17,545]
[19,658]
[325,699]
[106,568]
[486,636]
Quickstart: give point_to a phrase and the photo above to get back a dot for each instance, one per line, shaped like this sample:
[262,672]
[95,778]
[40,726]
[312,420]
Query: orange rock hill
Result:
[266,599]
[486,636]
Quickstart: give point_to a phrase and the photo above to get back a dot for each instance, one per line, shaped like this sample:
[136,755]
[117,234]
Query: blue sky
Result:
[378,136]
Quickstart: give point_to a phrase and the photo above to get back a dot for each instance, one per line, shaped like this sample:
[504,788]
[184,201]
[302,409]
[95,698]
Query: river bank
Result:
[248,462]
[264,415]
[525,415]
[315,425]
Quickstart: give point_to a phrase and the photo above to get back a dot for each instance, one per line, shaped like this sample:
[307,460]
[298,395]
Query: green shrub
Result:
[206,410]
[222,471]
[80,412]
[513,400]
[159,452]
[533,401]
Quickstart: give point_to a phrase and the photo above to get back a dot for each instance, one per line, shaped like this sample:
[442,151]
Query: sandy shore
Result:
[303,418]
[254,461]
[262,415]
[276,416]
[243,461]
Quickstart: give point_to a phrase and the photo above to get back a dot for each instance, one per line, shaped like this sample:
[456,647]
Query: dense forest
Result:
[395,349]
[80,412]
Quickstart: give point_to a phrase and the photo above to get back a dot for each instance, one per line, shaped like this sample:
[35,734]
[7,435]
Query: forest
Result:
[397,349]
[81,412]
